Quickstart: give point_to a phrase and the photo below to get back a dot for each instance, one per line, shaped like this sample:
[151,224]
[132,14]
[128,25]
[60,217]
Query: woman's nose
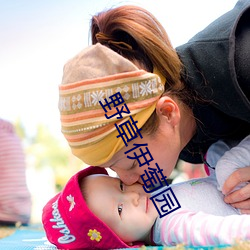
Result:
[126,177]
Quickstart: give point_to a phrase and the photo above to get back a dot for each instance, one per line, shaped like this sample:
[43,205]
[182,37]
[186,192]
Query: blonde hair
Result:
[136,34]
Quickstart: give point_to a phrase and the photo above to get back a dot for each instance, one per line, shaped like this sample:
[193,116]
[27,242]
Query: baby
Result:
[96,211]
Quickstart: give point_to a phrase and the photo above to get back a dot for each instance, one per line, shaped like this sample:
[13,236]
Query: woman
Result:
[206,96]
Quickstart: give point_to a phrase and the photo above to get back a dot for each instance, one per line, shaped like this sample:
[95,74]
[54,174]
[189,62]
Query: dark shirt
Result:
[217,67]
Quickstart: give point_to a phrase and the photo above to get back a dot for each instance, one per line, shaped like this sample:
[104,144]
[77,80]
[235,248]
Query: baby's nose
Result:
[133,197]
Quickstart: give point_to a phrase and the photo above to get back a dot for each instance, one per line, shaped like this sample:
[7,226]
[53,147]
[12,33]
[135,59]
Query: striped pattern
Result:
[200,229]
[15,201]
[82,117]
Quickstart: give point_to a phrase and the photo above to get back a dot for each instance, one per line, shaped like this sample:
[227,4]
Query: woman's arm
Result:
[240,198]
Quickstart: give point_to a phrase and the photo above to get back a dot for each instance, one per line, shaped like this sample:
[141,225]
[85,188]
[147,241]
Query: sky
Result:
[38,37]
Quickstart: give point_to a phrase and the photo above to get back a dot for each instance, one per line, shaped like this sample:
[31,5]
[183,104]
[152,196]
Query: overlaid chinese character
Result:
[144,157]
[119,112]
[116,100]
[128,130]
[153,179]
[166,201]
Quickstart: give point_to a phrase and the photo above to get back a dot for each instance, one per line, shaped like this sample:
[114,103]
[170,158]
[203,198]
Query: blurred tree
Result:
[20,130]
[45,150]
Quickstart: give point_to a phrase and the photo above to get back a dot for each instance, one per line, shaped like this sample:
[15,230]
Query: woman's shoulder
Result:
[209,65]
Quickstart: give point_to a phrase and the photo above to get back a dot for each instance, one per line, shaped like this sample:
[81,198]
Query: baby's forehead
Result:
[97,177]
[89,182]
[98,183]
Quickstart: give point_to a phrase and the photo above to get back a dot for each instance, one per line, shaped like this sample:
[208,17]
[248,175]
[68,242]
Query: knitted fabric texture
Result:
[97,74]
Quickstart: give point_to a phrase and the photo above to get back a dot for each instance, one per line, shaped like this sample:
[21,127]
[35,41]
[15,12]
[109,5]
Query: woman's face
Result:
[164,149]
[172,134]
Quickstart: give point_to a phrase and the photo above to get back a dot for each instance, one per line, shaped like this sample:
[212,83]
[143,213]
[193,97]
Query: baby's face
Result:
[127,210]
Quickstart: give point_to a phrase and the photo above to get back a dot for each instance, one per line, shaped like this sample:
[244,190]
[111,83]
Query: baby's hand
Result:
[240,198]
